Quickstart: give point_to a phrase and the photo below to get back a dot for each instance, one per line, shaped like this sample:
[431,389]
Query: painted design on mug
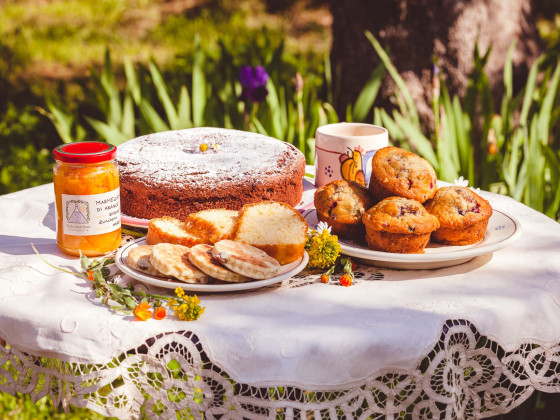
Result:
[351,165]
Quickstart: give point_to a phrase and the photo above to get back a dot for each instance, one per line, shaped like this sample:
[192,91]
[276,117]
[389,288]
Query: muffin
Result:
[399,225]
[463,215]
[341,204]
[398,172]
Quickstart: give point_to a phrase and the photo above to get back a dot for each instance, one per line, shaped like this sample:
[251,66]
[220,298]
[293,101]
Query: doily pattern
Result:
[466,375]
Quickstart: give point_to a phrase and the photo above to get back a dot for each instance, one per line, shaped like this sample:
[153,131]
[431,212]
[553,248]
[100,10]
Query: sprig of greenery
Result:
[343,265]
[118,298]
[324,251]
[126,300]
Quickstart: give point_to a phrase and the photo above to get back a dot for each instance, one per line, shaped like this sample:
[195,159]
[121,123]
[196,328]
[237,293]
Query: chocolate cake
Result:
[175,173]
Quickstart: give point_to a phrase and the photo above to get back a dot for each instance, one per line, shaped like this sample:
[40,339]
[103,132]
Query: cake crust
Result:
[168,174]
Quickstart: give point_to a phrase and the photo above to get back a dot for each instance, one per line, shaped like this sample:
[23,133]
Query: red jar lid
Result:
[85,152]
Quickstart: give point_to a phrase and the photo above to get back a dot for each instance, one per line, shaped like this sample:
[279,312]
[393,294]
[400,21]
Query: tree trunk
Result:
[415,32]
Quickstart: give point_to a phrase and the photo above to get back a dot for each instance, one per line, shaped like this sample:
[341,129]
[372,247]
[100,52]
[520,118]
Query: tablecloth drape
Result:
[470,340]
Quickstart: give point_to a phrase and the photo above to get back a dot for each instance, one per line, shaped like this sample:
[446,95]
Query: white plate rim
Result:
[291,270]
[462,253]
[134,221]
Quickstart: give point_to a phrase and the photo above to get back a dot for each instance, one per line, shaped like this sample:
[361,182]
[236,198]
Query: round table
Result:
[466,341]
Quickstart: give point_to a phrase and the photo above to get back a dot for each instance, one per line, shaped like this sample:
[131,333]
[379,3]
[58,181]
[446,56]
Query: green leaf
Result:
[184,108]
[128,119]
[129,302]
[508,78]
[328,77]
[258,126]
[199,85]
[275,113]
[115,112]
[132,81]
[107,75]
[332,116]
[115,288]
[535,164]
[446,149]
[368,94]
[63,121]
[464,146]
[512,158]
[85,262]
[548,103]
[161,91]
[410,108]
[152,118]
[529,89]
[101,95]
[110,134]
[553,163]
[310,149]
[396,133]
[417,140]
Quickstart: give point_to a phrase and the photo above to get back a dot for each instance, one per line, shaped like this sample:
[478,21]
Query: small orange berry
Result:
[324,278]
[346,280]
[90,275]
[160,313]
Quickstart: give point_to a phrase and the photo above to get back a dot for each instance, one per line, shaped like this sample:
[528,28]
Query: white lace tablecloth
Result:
[467,341]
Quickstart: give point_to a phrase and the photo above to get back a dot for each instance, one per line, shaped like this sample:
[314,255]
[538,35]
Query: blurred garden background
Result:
[472,86]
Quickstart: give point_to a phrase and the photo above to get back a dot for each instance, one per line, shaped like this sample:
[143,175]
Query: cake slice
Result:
[170,230]
[276,228]
[211,225]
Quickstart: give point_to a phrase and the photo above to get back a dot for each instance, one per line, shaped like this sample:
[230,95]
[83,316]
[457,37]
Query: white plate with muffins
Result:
[405,218]
[502,231]
[215,286]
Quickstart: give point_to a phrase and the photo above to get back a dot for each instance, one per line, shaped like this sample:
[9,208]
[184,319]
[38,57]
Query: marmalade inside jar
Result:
[85,179]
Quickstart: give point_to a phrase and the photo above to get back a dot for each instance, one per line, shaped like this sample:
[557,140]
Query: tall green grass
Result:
[513,150]
[147,103]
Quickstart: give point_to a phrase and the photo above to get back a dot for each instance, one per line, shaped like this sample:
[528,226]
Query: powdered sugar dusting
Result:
[176,157]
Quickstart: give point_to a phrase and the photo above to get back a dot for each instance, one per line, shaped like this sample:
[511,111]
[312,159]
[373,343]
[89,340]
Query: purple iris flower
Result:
[253,80]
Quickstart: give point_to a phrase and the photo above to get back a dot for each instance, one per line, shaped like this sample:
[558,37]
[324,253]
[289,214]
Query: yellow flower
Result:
[179,292]
[189,309]
[203,147]
[323,249]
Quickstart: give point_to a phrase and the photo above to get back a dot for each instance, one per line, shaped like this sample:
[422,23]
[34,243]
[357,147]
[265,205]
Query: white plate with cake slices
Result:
[286,271]
[502,231]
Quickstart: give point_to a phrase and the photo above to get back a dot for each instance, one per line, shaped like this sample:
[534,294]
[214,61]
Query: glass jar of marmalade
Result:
[88,207]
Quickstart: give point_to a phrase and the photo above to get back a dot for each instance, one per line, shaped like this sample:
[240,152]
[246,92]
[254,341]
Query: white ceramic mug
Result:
[344,151]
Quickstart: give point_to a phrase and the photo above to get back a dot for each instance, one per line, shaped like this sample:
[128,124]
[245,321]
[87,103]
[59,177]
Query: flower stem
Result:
[55,267]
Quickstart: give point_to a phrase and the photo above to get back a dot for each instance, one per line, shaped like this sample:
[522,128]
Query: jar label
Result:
[93,214]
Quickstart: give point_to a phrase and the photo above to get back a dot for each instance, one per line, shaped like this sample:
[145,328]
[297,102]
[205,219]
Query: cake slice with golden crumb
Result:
[211,225]
[276,228]
[170,230]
